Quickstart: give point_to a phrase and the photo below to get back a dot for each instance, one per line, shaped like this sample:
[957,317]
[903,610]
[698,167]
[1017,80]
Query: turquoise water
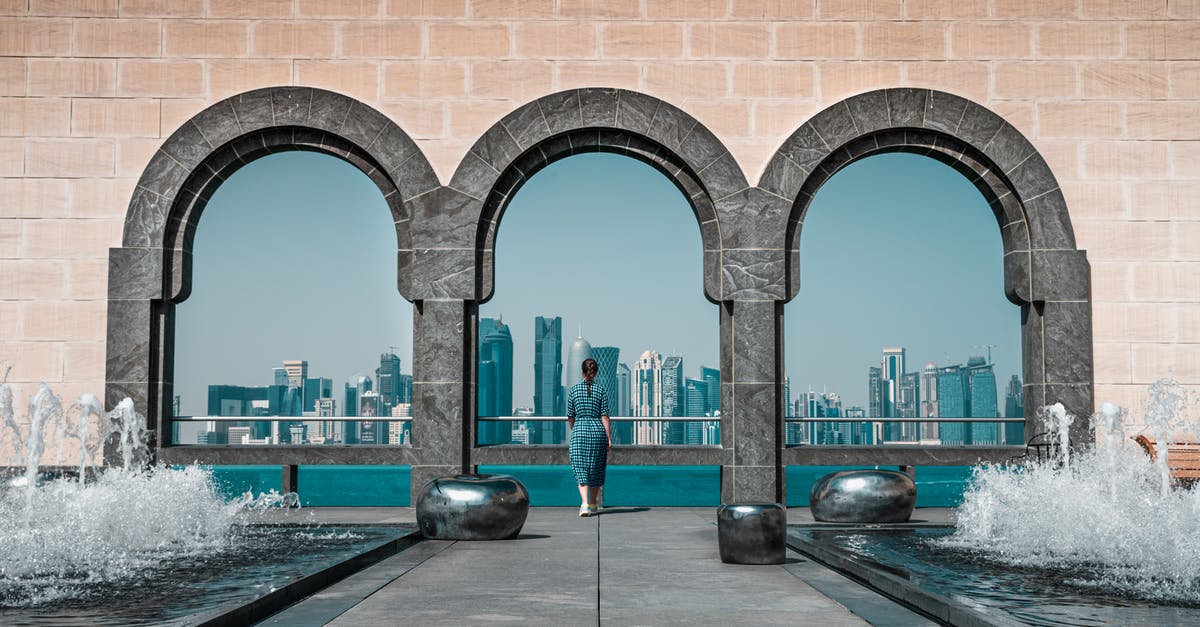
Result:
[662,486]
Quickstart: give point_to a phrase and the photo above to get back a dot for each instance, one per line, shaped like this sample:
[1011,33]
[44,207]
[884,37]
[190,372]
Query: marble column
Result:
[751,401]
[442,393]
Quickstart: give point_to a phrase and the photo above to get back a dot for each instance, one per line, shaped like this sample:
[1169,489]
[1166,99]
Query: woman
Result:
[587,418]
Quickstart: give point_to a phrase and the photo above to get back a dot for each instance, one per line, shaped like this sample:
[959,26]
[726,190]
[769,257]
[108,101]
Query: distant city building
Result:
[577,352]
[787,396]
[929,408]
[696,395]
[672,386]
[647,385]
[548,393]
[1014,407]
[712,378]
[874,392]
[495,368]
[953,398]
[982,383]
[280,376]
[316,389]
[547,366]
[607,358]
[387,376]
[297,372]
[350,400]
[624,390]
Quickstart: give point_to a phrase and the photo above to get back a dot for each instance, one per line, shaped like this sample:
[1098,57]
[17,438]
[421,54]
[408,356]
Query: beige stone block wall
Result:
[1108,90]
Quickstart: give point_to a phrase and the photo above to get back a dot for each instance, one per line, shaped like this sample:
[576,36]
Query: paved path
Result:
[628,566]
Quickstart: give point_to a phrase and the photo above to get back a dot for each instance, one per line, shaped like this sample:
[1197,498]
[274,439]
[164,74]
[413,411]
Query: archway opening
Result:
[294,332]
[599,255]
[901,315]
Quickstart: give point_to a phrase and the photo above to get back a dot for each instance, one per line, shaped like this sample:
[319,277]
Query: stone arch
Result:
[1044,272]
[150,273]
[456,229]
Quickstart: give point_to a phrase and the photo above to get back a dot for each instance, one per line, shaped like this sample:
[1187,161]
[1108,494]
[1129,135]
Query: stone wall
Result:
[1107,91]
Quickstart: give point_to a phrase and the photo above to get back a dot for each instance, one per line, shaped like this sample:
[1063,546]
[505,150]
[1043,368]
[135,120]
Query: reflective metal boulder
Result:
[752,533]
[472,507]
[863,496]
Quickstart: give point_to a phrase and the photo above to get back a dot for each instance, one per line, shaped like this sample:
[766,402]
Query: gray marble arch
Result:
[446,238]
[1045,273]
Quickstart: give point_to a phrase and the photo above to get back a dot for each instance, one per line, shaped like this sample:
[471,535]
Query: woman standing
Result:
[587,418]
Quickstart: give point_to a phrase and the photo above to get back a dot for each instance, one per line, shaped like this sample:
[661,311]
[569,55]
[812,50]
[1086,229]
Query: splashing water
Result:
[1108,515]
[59,537]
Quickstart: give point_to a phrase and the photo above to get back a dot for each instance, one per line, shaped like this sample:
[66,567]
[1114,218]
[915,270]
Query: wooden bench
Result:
[1183,459]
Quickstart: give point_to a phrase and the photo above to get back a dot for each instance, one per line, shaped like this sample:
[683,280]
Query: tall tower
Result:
[388,376]
[1014,407]
[712,380]
[297,372]
[495,368]
[981,379]
[579,350]
[954,401]
[647,385]
[672,386]
[624,390]
[547,366]
[606,357]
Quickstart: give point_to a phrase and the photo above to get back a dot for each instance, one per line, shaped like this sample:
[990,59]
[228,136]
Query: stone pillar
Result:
[751,401]
[442,392]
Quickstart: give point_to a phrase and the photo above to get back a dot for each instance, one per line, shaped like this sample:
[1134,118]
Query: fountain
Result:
[1091,535]
[95,542]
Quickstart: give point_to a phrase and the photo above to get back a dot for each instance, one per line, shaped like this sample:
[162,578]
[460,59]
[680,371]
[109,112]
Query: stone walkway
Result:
[628,566]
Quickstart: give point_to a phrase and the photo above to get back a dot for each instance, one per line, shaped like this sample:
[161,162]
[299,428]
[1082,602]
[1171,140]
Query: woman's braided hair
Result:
[590,368]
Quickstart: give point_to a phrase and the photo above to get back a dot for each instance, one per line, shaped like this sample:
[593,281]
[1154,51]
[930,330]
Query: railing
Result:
[626,430]
[291,430]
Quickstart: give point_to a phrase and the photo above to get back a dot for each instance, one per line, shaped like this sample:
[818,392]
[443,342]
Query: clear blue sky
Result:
[897,250]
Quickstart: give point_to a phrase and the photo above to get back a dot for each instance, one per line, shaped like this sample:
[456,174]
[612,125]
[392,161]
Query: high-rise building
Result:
[495,368]
[1014,407]
[577,352]
[607,358]
[388,377]
[929,430]
[624,390]
[350,400]
[953,398]
[647,385]
[314,390]
[672,386]
[696,397]
[622,431]
[297,372]
[712,379]
[874,392]
[981,379]
[280,376]
[787,396]
[547,366]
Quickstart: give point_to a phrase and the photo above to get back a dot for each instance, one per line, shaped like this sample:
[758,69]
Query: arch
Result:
[554,127]
[1044,272]
[150,272]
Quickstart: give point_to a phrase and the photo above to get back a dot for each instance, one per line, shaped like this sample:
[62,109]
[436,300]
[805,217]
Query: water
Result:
[174,589]
[65,538]
[1107,516]
[1002,591]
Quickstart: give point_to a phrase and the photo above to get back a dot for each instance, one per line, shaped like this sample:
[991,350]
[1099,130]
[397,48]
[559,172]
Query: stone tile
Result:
[641,40]
[467,40]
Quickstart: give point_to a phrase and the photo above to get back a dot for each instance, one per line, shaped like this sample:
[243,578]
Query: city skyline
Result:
[649,293]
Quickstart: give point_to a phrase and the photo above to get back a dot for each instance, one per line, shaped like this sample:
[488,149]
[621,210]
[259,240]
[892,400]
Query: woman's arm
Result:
[607,428]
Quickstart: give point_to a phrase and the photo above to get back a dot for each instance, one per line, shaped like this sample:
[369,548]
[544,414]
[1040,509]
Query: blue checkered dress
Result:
[589,445]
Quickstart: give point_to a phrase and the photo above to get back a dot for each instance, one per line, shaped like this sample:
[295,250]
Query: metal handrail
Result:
[289,418]
[788,419]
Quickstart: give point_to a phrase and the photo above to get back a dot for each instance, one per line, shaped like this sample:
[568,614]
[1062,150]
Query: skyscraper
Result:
[624,390]
[388,377]
[712,378]
[316,389]
[929,430]
[647,385]
[297,372]
[953,398]
[672,386]
[281,376]
[547,366]
[495,368]
[982,383]
[606,358]
[577,352]
[1014,407]
[875,392]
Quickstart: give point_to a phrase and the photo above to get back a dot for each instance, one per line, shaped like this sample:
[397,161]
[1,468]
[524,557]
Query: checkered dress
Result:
[589,445]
